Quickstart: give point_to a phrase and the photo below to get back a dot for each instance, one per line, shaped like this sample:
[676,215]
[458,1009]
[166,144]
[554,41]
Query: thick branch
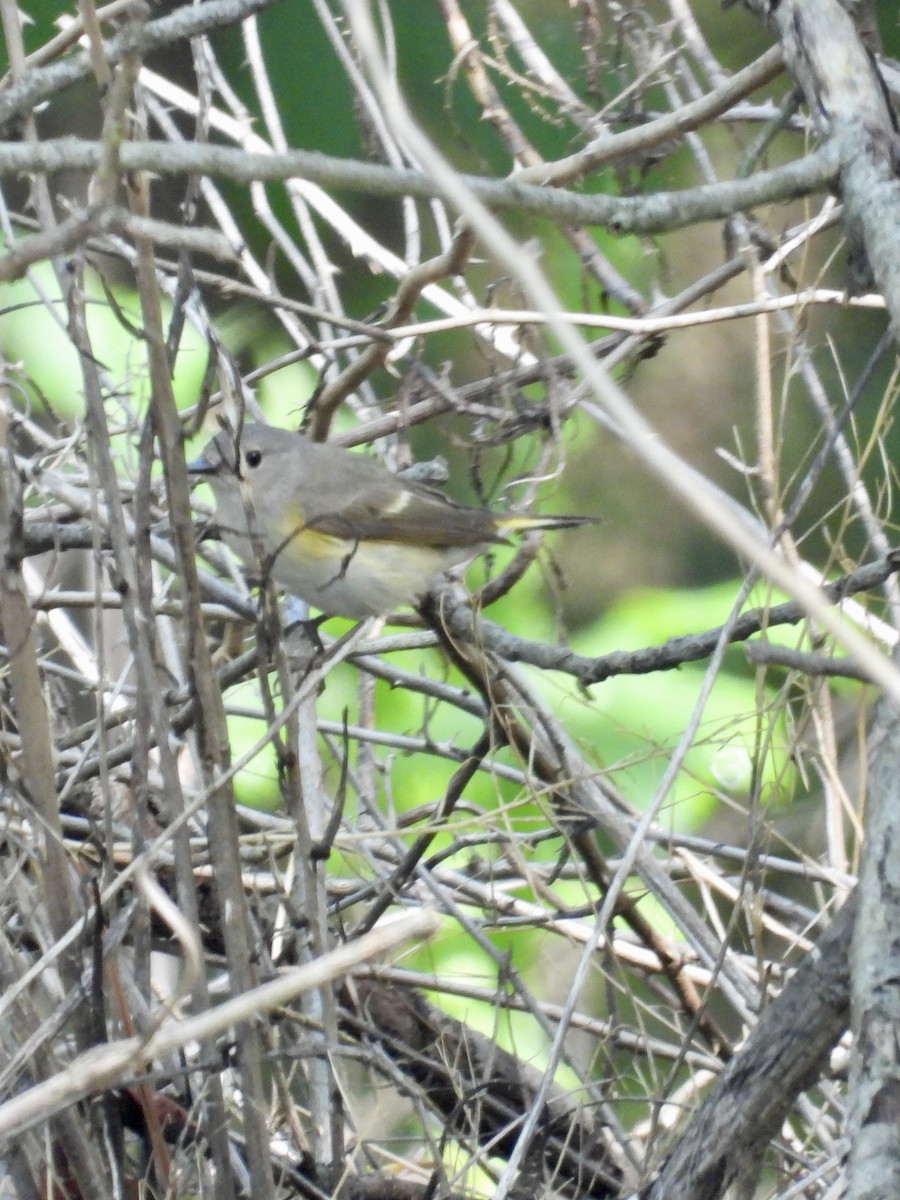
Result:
[480,1090]
[874,1101]
[847,99]
[787,1051]
[623,214]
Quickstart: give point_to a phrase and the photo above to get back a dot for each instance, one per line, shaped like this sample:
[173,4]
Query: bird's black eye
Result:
[253,458]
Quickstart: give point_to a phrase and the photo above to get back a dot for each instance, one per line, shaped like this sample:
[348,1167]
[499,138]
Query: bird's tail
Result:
[514,523]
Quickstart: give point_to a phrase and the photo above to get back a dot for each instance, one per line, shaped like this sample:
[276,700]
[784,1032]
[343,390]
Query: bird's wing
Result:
[385,509]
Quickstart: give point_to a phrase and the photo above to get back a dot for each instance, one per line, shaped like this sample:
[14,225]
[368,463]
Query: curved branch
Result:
[848,101]
[787,1051]
[676,651]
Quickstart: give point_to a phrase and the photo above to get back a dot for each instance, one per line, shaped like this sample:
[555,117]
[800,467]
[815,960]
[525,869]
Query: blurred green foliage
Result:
[35,343]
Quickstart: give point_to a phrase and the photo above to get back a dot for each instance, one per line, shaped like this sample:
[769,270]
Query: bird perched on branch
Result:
[338,529]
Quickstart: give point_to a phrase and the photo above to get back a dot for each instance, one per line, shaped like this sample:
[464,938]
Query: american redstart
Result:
[338,529]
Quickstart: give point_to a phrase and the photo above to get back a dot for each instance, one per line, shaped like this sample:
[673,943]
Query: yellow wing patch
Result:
[309,544]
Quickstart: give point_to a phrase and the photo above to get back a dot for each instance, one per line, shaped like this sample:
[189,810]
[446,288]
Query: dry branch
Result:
[665,1036]
[483,1093]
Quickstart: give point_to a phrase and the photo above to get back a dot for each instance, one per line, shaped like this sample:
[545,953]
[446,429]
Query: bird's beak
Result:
[201,466]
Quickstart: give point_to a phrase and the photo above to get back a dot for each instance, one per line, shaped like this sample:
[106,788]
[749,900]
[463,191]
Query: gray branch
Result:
[623,214]
[786,1053]
[848,101]
[873,1169]
[188,21]
[676,651]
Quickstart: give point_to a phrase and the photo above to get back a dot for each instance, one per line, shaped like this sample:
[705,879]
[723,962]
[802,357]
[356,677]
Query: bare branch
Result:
[621,214]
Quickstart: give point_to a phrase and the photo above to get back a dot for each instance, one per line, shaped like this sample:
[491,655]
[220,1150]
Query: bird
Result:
[337,528]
